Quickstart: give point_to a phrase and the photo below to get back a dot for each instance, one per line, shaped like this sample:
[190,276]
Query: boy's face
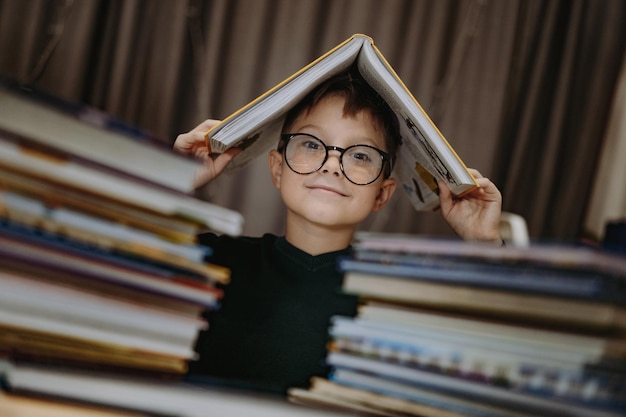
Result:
[326,198]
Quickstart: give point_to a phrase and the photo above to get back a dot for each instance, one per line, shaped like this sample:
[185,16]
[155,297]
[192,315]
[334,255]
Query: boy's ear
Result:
[387,188]
[275,160]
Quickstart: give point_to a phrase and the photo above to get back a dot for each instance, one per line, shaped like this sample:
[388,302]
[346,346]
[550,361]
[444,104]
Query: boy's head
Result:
[359,97]
[334,158]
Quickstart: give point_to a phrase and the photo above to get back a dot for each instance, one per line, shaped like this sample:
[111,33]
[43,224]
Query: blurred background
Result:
[532,93]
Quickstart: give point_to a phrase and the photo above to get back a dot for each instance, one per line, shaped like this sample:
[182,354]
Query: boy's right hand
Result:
[193,143]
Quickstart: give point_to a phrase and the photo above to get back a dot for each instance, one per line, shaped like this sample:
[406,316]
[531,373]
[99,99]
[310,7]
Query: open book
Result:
[423,158]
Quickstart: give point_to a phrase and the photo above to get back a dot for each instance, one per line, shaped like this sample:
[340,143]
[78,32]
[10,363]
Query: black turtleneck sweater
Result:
[272,327]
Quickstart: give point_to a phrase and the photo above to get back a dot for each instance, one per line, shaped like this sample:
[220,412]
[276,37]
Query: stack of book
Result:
[100,269]
[448,328]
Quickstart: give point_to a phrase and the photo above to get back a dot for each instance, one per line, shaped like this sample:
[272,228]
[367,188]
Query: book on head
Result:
[424,156]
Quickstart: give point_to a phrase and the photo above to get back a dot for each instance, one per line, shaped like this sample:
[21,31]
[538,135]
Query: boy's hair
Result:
[359,97]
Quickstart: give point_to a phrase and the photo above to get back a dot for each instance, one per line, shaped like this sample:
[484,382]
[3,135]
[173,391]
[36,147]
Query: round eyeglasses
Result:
[360,164]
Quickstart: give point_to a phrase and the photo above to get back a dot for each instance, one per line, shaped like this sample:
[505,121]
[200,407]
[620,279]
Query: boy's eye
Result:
[361,157]
[311,144]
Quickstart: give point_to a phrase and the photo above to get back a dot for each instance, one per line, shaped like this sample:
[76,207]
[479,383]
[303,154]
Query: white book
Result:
[70,305]
[579,346]
[93,135]
[119,188]
[116,234]
[153,397]
[32,322]
[438,344]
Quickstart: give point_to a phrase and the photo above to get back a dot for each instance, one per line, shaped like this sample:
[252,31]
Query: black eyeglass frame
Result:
[286,137]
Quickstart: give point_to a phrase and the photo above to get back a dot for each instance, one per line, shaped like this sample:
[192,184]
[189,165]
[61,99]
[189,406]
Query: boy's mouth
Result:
[326,188]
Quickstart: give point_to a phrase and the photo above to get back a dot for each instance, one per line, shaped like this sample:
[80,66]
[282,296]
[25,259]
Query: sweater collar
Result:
[310,262]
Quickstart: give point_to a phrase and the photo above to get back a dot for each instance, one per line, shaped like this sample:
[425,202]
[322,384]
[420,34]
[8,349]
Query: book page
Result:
[424,156]
[256,127]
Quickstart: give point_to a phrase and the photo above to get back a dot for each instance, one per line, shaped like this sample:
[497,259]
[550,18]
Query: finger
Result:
[486,185]
[445,196]
[214,167]
[189,139]
[483,182]
[207,124]
[475,173]
[204,127]
[487,191]
[224,159]
[183,143]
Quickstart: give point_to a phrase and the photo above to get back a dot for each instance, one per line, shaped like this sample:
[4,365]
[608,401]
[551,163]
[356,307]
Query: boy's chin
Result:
[329,217]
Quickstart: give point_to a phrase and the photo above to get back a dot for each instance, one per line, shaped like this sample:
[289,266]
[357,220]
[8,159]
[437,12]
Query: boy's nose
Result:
[333,164]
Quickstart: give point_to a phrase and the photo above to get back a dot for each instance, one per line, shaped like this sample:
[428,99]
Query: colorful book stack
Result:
[448,328]
[99,265]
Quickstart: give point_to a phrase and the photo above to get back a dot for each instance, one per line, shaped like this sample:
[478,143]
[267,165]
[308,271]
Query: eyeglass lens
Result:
[360,164]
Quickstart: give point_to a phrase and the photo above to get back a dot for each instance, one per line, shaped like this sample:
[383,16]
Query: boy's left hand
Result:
[476,215]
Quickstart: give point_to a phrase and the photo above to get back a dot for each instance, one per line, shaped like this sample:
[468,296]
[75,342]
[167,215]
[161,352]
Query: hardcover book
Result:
[424,157]
[94,136]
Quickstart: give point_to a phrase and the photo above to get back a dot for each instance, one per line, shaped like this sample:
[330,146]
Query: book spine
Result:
[52,253]
[562,283]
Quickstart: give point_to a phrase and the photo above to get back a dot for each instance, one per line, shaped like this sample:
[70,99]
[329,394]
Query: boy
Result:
[332,168]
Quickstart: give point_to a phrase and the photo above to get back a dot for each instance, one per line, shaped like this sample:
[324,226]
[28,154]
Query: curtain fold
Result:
[558,112]
[608,201]
[521,89]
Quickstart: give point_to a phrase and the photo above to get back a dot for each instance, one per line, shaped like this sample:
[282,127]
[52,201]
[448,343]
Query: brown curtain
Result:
[608,199]
[521,89]
[558,105]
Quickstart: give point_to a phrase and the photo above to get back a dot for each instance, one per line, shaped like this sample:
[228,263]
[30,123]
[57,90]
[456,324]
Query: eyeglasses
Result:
[360,164]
